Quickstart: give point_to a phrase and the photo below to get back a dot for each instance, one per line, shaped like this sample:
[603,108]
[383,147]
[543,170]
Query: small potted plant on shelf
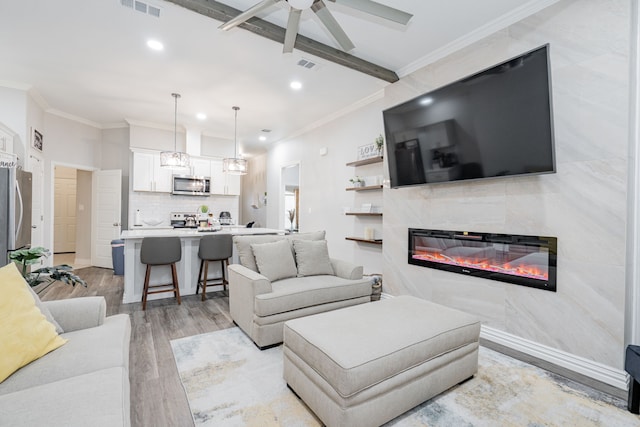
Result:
[357,181]
[379,144]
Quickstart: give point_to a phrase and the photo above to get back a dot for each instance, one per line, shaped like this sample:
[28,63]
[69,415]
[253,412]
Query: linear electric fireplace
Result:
[522,260]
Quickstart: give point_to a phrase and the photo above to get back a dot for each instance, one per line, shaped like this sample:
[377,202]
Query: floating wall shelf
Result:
[363,240]
[366,161]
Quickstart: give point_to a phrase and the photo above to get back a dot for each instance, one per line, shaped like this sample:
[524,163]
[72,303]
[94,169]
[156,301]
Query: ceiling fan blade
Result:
[332,25]
[247,14]
[377,9]
[292,30]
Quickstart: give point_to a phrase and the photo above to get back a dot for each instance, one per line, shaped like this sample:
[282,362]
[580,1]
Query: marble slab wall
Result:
[583,204]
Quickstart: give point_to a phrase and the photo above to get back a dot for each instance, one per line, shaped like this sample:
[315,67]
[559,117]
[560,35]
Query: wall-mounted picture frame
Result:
[37,140]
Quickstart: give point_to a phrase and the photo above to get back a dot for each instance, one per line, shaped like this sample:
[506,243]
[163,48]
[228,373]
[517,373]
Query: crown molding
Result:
[72,117]
[336,115]
[516,15]
[142,123]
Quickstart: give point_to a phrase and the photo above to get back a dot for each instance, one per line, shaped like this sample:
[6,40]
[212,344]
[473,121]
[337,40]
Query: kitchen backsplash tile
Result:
[158,206]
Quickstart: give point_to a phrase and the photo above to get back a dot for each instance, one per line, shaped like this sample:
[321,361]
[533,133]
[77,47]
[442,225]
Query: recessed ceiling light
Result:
[155,45]
[426,101]
[295,85]
[262,138]
[201,116]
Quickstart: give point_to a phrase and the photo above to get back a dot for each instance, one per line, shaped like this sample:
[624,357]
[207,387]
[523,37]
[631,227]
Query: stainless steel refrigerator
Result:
[15,211]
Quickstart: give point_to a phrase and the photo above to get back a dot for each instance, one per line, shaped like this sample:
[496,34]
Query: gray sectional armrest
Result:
[78,313]
[244,285]
[346,270]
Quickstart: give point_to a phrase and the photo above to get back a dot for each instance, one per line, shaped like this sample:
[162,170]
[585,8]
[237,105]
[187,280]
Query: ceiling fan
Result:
[320,9]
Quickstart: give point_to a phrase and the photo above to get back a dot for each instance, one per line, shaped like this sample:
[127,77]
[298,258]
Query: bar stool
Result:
[213,248]
[156,251]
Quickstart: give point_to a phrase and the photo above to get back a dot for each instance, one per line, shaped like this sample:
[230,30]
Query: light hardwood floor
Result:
[157,397]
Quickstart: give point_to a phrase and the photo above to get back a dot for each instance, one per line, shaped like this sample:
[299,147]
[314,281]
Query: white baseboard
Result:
[598,371]
[385,295]
[83,262]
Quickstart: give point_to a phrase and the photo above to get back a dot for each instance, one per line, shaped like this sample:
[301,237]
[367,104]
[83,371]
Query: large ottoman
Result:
[365,365]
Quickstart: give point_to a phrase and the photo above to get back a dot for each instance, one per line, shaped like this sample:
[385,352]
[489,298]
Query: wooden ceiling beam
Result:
[221,12]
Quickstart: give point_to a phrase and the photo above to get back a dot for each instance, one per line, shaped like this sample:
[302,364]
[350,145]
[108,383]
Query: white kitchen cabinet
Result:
[148,175]
[223,183]
[200,167]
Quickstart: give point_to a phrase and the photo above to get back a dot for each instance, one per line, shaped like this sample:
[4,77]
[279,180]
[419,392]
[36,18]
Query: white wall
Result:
[323,180]
[254,185]
[583,204]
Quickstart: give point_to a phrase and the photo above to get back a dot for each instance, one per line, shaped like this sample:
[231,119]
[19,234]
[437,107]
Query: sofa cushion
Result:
[274,260]
[87,350]
[245,254]
[96,399]
[312,257]
[44,310]
[300,292]
[26,333]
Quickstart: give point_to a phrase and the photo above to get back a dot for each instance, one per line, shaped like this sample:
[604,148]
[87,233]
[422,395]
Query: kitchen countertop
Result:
[139,233]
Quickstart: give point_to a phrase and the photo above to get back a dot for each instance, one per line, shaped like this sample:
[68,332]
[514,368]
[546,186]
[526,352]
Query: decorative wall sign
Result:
[8,161]
[37,140]
[368,151]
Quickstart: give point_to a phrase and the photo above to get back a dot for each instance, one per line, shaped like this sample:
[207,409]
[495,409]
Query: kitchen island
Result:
[187,268]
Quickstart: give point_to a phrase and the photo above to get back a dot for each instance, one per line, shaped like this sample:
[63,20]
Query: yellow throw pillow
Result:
[25,334]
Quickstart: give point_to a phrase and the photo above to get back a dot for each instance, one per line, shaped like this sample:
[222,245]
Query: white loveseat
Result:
[260,305]
[85,382]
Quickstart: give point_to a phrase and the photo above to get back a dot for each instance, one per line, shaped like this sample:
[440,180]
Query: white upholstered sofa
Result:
[85,382]
[285,277]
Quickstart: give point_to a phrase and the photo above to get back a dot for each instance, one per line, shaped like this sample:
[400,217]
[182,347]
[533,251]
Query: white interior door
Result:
[106,206]
[64,219]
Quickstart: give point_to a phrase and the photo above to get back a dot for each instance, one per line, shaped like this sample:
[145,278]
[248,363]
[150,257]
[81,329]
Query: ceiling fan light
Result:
[300,4]
[234,166]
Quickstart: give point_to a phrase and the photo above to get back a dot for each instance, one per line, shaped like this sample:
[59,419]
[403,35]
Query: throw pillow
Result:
[275,260]
[45,311]
[26,333]
[312,257]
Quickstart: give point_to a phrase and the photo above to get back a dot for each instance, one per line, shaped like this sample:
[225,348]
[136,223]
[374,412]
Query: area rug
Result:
[229,382]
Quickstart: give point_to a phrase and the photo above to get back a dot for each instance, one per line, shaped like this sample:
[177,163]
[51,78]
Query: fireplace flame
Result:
[521,270]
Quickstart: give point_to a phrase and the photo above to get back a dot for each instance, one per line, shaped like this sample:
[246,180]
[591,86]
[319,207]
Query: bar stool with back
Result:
[214,248]
[157,251]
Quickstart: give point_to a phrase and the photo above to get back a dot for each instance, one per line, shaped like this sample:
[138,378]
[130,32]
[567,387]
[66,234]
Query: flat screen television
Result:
[495,123]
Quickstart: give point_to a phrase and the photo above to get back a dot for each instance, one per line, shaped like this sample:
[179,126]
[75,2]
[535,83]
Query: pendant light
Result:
[175,159]
[235,165]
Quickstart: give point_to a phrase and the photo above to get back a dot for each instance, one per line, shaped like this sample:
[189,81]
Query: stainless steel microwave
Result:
[191,185]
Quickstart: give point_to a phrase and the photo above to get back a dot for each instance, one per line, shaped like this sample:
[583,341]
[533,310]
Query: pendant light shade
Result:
[175,159]
[235,165]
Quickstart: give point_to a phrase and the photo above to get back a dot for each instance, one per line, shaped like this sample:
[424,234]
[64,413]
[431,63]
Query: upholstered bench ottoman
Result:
[365,365]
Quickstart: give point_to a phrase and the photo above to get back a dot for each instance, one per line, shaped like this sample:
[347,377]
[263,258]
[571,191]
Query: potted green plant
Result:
[26,257]
[379,144]
[357,181]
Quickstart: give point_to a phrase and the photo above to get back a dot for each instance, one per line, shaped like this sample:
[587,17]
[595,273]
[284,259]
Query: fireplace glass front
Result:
[521,260]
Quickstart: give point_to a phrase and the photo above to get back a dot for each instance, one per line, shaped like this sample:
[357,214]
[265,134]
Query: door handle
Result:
[34,226]
[116,224]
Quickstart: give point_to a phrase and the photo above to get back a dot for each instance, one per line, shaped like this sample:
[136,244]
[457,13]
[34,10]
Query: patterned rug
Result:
[229,382]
